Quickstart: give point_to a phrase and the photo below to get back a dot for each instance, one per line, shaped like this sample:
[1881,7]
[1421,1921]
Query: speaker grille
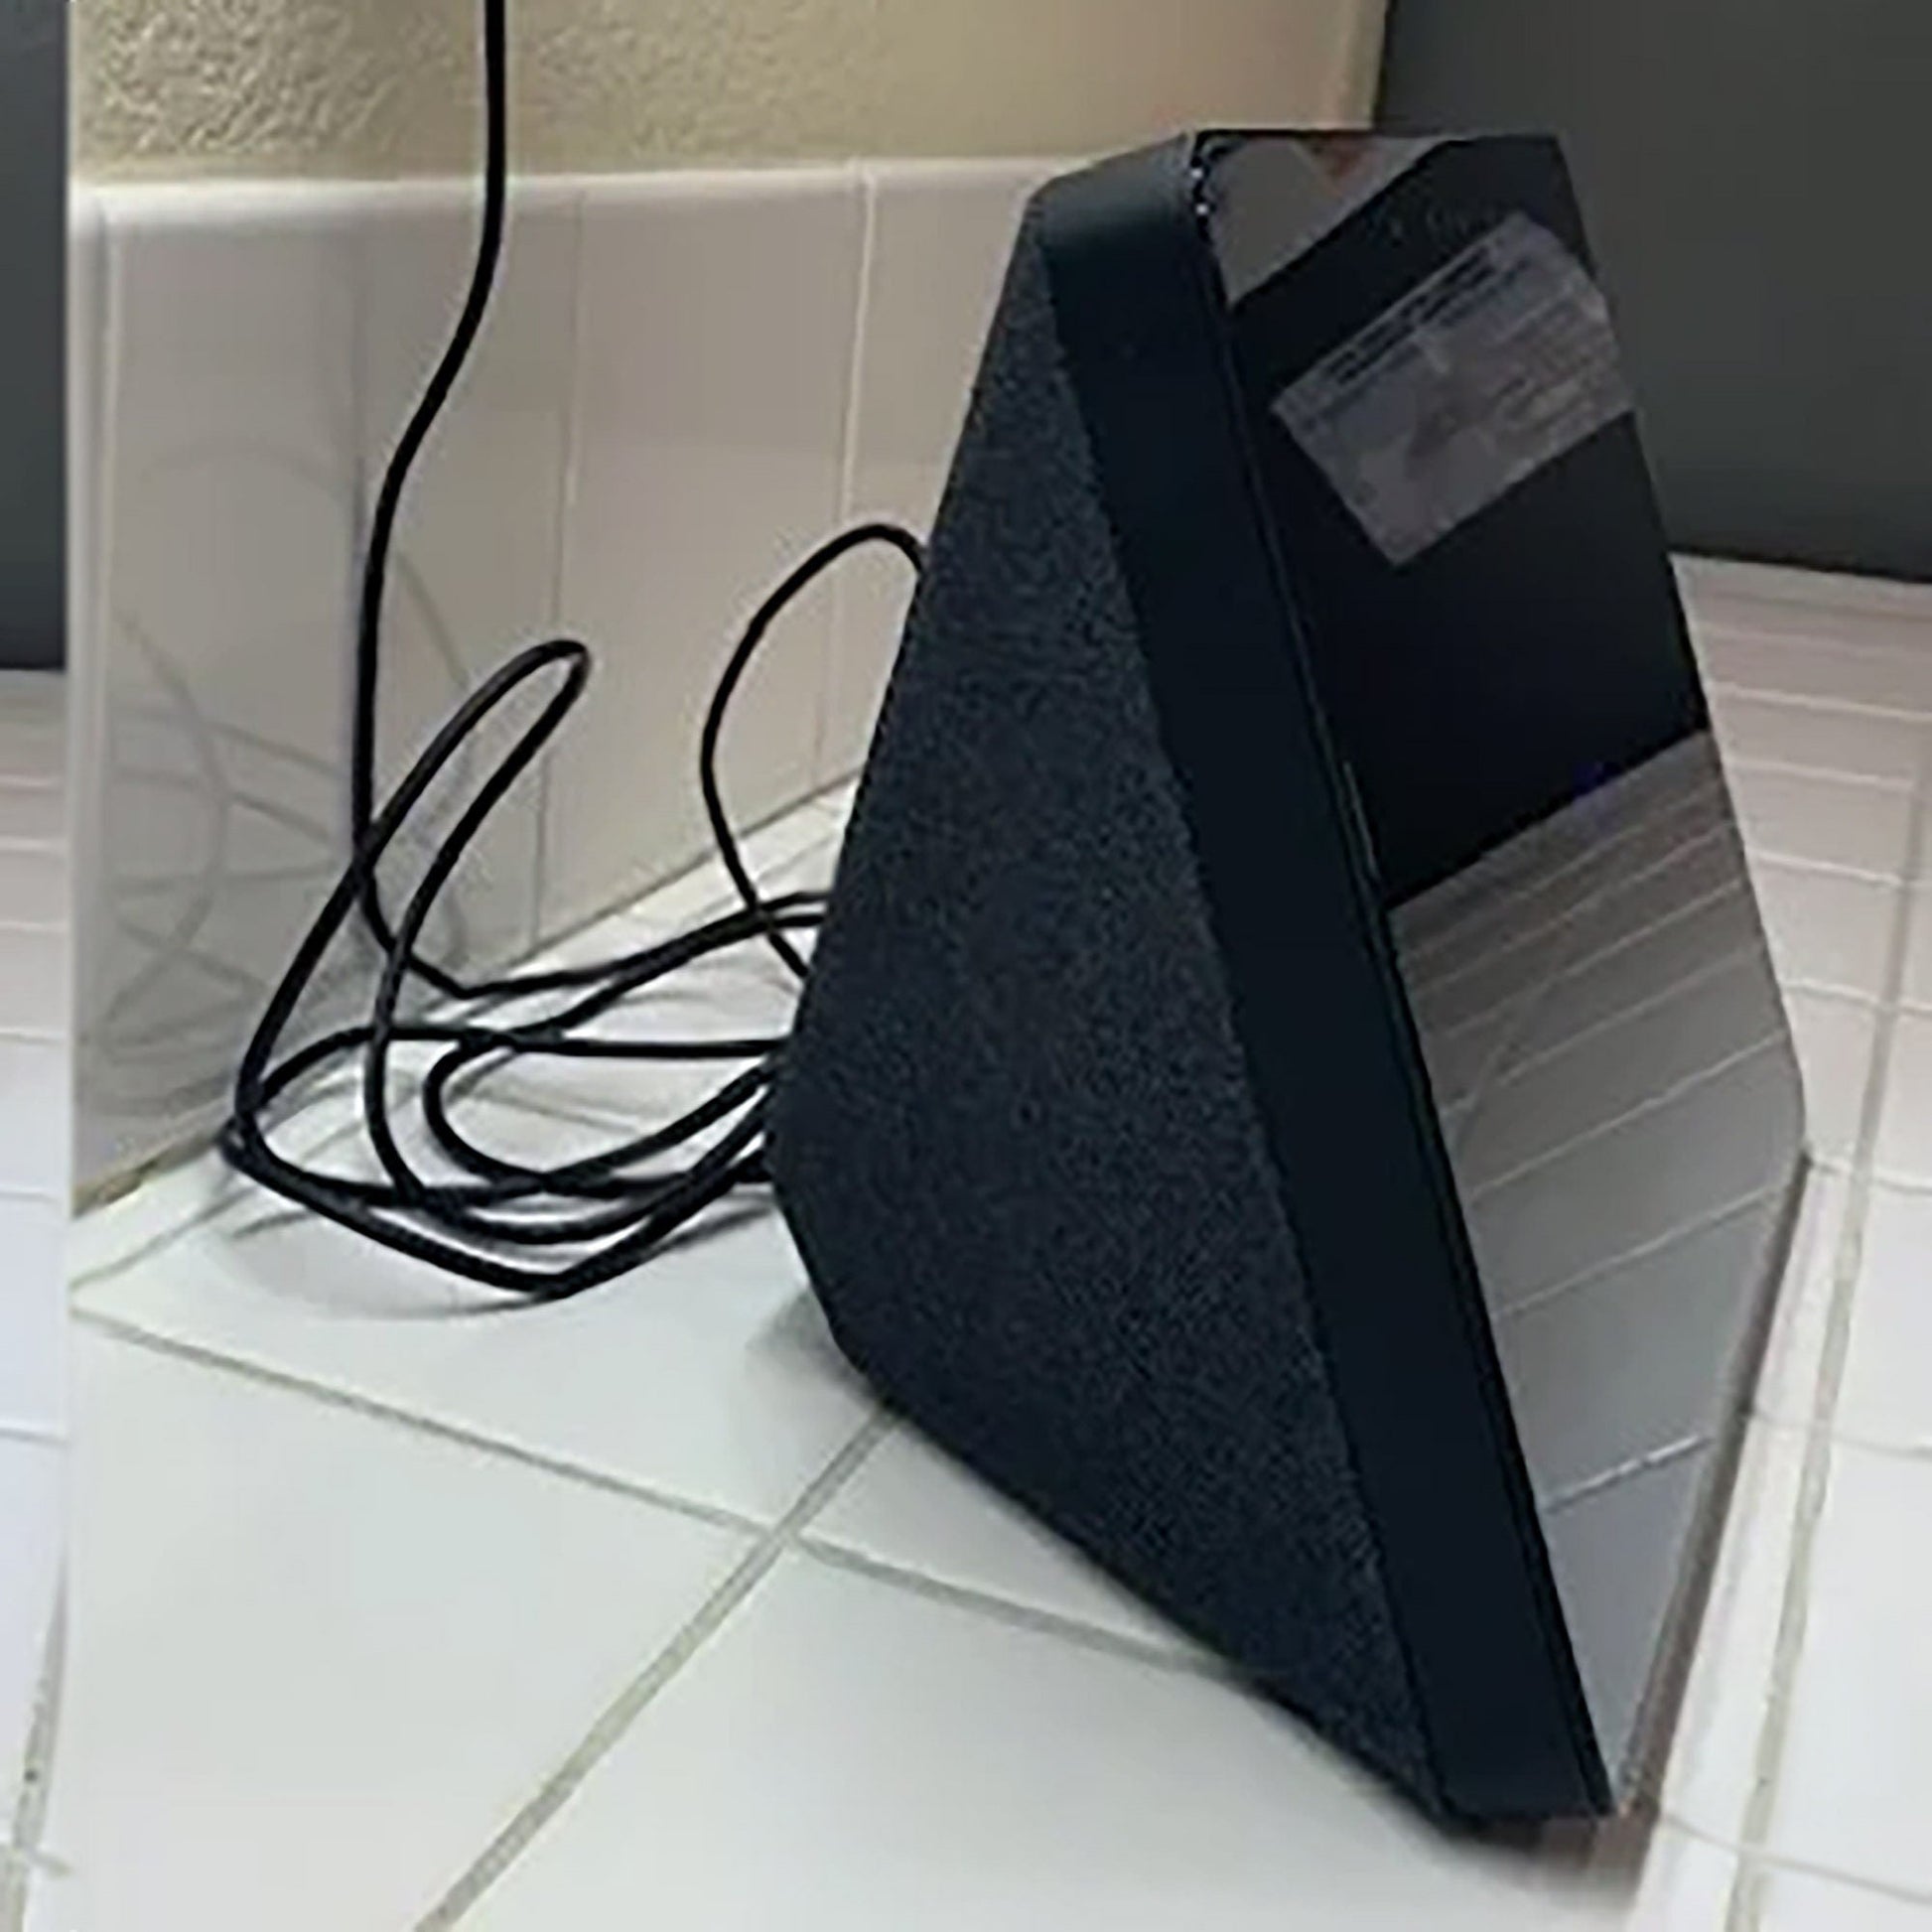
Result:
[1015,1137]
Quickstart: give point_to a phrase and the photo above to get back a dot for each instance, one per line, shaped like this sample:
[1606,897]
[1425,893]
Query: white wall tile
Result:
[476,569]
[1811,818]
[34,981]
[32,697]
[715,352]
[34,812]
[940,238]
[636,456]
[121,1230]
[1826,929]
[1842,614]
[34,884]
[229,503]
[1711,583]
[31,734]
[35,1077]
[1817,737]
[1857,1757]
[264,347]
[1896,680]
[315,1661]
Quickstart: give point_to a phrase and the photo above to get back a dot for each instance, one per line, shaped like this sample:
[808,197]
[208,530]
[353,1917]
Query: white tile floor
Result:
[395,1613]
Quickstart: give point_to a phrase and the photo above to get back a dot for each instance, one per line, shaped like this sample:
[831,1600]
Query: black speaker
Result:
[1292,1086]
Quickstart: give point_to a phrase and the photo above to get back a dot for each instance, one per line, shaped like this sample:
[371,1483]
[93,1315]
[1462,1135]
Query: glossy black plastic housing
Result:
[1110,1132]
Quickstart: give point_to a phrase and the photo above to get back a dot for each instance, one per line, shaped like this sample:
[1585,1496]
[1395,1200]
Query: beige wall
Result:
[386,87]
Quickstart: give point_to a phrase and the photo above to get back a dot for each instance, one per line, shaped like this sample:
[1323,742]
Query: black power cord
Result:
[601,1215]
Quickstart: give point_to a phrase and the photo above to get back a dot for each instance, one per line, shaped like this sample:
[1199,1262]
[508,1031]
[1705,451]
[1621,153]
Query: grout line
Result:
[1182,1659]
[1574,966]
[621,1713]
[29,1821]
[1478,907]
[220,1200]
[1750,952]
[18,1869]
[538,1105]
[1745,1912]
[1734,581]
[1724,688]
[1766,1863]
[1517,1016]
[849,431]
[1899,712]
[1514,1027]
[83,1280]
[1636,1465]
[1887,1181]
[1650,1810]
[1795,1424]
[568,485]
[1818,640]
[1654,1103]
[1760,854]
[1548,850]
[1875,1446]
[1782,861]
[1825,990]
[57,1195]
[1741,761]
[40,1433]
[454,1435]
[1599,1270]
[1594,893]
[1860,781]
[1839,995]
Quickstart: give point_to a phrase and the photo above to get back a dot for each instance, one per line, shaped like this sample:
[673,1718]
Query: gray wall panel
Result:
[1756,177]
[33,308]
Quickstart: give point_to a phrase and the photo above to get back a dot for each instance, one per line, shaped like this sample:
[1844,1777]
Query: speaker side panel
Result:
[1015,1137]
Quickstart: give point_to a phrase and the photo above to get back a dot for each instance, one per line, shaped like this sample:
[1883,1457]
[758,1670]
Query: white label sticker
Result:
[1494,366]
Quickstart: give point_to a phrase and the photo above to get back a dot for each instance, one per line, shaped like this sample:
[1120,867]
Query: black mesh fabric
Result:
[1015,1137]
